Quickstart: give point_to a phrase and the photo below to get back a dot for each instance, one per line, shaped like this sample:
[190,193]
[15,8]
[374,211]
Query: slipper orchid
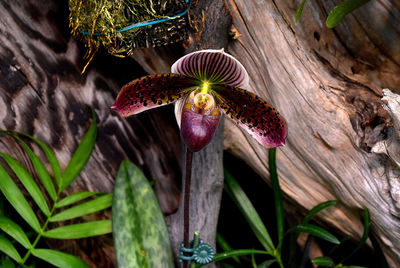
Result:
[203,84]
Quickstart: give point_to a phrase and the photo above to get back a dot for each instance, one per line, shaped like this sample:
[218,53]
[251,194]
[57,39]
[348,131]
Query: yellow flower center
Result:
[205,87]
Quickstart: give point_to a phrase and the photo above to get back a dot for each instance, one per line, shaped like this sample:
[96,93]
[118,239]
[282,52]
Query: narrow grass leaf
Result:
[17,199]
[88,207]
[225,246]
[353,266]
[135,215]
[341,10]
[315,210]
[73,198]
[40,169]
[80,230]
[300,11]
[323,261]
[316,231]
[51,157]
[8,248]
[236,253]
[13,230]
[249,212]
[277,195]
[361,243]
[6,263]
[59,259]
[266,264]
[81,155]
[28,182]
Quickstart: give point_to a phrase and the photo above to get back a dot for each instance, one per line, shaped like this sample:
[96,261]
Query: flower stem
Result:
[186,202]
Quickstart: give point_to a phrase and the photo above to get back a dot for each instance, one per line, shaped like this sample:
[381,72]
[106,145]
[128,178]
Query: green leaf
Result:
[266,264]
[248,210]
[225,246]
[6,263]
[51,157]
[140,234]
[9,249]
[81,155]
[315,210]
[59,259]
[237,253]
[40,169]
[73,198]
[341,10]
[277,195]
[361,243]
[316,231]
[17,200]
[353,266]
[91,206]
[28,182]
[300,11]
[323,261]
[13,230]
[80,230]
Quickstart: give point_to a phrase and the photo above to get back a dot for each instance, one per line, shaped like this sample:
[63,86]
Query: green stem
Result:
[196,242]
[29,252]
[278,259]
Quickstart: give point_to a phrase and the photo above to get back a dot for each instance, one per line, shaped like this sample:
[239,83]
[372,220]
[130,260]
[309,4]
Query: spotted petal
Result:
[253,114]
[213,66]
[152,91]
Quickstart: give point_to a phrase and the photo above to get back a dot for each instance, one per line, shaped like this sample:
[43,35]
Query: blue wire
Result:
[147,23]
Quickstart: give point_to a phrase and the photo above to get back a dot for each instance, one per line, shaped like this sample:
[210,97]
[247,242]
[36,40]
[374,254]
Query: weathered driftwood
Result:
[43,94]
[328,85]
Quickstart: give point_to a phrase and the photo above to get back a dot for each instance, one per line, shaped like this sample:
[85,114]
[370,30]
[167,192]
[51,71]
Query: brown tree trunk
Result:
[43,93]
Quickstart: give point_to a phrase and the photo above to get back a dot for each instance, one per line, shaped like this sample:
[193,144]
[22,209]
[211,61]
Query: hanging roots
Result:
[98,22]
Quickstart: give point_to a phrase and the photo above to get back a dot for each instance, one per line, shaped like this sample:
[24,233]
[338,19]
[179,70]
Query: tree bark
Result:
[42,93]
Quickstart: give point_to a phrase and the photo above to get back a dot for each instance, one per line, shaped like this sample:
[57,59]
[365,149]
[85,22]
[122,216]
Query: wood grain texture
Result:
[43,94]
[327,83]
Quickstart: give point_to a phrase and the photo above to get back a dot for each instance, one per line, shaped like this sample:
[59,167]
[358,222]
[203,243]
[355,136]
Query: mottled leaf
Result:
[341,10]
[152,91]
[212,66]
[80,230]
[81,155]
[17,199]
[9,249]
[28,182]
[13,230]
[140,234]
[253,114]
[59,259]
[88,207]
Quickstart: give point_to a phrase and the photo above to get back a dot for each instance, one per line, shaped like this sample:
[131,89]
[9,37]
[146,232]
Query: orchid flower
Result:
[203,84]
